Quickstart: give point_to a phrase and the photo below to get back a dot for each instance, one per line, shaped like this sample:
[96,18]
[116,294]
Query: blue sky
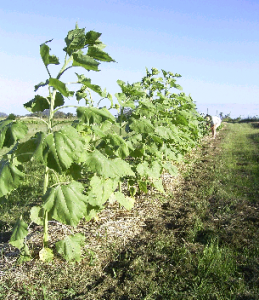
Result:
[214,45]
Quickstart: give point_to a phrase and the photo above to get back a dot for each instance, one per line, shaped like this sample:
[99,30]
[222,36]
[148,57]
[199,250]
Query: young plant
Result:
[65,154]
[162,126]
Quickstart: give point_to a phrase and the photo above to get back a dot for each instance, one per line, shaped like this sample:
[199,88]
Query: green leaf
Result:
[40,103]
[66,203]
[172,170]
[56,149]
[132,191]
[41,84]
[59,100]
[60,86]
[154,71]
[148,170]
[98,54]
[107,168]
[124,101]
[47,59]
[19,233]
[125,201]
[70,247]
[134,90]
[46,254]
[157,184]
[24,255]
[37,215]
[101,190]
[122,168]
[142,126]
[91,212]
[81,95]
[169,154]
[85,61]
[156,139]
[11,131]
[142,186]
[75,170]
[10,177]
[75,40]
[175,85]
[106,125]
[116,145]
[164,73]
[93,115]
[91,37]
[87,83]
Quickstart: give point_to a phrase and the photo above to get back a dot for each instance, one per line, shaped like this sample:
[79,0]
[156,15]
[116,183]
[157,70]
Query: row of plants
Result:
[86,163]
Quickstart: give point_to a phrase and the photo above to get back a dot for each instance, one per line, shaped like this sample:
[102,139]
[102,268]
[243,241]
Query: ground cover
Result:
[199,241]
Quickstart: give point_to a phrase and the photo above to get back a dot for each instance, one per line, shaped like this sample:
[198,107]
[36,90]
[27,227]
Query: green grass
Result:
[203,245]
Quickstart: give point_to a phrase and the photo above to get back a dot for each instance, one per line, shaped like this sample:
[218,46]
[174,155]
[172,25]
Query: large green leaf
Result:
[66,203]
[172,170]
[122,167]
[10,177]
[142,126]
[85,61]
[19,233]
[169,153]
[47,59]
[11,131]
[105,167]
[93,115]
[57,150]
[91,37]
[98,54]
[61,87]
[147,170]
[75,40]
[156,139]
[70,247]
[40,103]
[37,215]
[164,132]
[101,190]
[115,145]
[158,184]
[125,201]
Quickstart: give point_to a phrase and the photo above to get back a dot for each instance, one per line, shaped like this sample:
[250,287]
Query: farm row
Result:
[86,163]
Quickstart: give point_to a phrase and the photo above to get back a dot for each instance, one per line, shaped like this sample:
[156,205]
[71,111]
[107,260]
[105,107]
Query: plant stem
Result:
[46,173]
[45,187]
[45,234]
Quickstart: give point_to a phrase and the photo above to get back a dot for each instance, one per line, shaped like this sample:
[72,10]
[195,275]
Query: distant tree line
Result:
[3,115]
[44,114]
[58,114]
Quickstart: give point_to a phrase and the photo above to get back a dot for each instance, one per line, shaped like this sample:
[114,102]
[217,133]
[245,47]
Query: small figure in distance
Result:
[215,122]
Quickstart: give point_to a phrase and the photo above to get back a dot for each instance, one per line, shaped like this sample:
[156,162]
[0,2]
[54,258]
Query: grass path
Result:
[205,244]
[202,244]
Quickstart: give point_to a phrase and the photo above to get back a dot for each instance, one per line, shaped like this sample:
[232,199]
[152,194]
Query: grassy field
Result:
[199,241]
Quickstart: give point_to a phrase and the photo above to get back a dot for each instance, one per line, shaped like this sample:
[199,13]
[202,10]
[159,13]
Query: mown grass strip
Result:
[207,247]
